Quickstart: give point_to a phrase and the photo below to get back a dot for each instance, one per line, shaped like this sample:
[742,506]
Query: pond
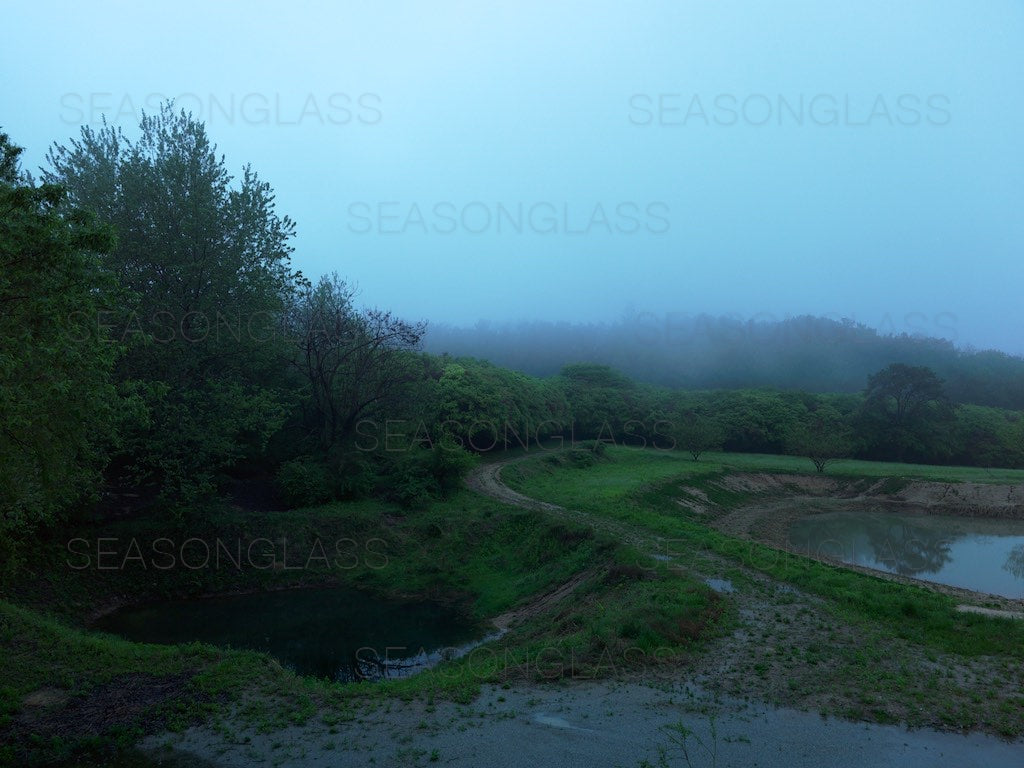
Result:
[980,554]
[339,634]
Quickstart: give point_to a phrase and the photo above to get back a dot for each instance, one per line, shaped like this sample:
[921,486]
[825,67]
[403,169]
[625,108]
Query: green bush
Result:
[449,464]
[356,477]
[305,482]
[421,474]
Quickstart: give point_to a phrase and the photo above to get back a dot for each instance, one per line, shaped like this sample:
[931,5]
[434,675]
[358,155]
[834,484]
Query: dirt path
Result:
[776,653]
[543,603]
[787,649]
[585,724]
[486,479]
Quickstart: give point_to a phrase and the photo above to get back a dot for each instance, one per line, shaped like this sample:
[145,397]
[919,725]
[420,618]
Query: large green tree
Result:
[58,406]
[207,260]
[906,414]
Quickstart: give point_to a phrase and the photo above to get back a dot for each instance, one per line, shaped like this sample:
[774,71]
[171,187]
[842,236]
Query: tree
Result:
[906,412]
[58,408]
[822,436]
[354,363]
[484,406]
[602,401]
[206,261]
[696,432]
[756,421]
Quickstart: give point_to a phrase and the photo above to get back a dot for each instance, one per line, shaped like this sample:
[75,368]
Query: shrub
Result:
[305,482]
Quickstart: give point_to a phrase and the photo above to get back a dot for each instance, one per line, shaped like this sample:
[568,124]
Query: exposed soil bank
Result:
[783,499]
[966,499]
[792,650]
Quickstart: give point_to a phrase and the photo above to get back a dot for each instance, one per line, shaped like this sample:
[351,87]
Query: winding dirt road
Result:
[486,479]
[774,653]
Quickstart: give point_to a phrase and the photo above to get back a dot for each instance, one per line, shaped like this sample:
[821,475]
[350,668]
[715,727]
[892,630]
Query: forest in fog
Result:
[169,353]
[702,351]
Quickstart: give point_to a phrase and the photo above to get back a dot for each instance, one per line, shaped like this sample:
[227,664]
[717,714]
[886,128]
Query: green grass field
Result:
[642,488]
[911,656]
[633,467]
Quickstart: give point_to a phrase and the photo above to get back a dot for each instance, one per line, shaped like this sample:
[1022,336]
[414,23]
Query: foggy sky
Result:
[465,161]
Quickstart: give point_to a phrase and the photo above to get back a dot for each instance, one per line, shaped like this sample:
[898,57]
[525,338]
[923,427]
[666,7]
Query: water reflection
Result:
[984,555]
[903,546]
[1015,562]
[372,664]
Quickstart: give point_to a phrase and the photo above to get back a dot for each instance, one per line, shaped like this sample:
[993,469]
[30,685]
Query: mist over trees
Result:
[813,354]
[157,344]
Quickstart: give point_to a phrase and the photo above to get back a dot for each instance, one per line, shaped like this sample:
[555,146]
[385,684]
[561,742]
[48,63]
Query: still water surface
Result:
[340,634]
[979,554]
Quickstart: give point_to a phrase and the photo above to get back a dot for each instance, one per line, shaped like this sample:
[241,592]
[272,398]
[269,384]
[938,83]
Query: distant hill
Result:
[704,352]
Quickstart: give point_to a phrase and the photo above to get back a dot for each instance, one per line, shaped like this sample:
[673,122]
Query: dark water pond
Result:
[340,634]
[983,555]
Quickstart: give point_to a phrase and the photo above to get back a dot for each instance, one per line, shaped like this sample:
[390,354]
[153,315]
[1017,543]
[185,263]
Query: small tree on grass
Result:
[823,437]
[696,433]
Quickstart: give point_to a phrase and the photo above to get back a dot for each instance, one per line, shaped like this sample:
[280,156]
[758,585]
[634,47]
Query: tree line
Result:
[700,351]
[159,350]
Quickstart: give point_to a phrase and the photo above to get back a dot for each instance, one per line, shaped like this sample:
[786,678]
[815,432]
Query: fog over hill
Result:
[706,352]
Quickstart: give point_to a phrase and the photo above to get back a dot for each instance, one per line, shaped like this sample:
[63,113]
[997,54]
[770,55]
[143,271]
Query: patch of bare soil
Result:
[128,699]
[544,603]
[965,499]
[767,482]
[994,612]
[46,697]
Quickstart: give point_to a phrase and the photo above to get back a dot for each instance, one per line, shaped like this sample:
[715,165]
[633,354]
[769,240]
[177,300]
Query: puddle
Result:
[723,586]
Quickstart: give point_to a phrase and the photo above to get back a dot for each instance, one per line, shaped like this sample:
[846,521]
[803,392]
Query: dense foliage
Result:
[58,406]
[206,264]
[154,334]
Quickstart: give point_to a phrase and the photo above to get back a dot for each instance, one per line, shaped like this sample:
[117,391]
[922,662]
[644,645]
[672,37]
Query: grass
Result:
[612,481]
[57,678]
[642,488]
[852,644]
[96,693]
[469,551]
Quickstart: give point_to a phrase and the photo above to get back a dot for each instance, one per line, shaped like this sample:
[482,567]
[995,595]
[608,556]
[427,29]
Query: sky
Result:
[467,161]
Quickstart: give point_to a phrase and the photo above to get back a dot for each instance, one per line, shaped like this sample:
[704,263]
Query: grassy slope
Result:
[642,488]
[911,656]
[632,467]
[470,551]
